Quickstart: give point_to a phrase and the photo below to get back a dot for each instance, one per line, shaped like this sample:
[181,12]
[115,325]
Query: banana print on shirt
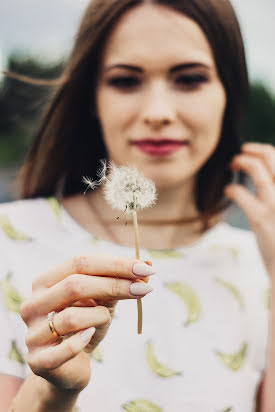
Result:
[11,232]
[190,298]
[233,289]
[267,298]
[12,299]
[55,207]
[164,254]
[96,354]
[15,354]
[234,361]
[156,366]
[141,405]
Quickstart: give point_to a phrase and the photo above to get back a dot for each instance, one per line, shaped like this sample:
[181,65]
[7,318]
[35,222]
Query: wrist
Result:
[55,395]
[46,397]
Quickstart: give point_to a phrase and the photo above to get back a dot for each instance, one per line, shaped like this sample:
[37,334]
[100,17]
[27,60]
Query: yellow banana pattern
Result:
[141,405]
[15,354]
[233,250]
[235,292]
[164,254]
[267,298]
[96,354]
[156,366]
[93,241]
[227,410]
[234,361]
[191,300]
[12,299]
[11,232]
[55,206]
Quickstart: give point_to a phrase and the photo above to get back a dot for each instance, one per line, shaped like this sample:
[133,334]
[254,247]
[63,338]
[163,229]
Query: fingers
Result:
[265,152]
[257,170]
[94,264]
[69,320]
[245,200]
[45,360]
[78,287]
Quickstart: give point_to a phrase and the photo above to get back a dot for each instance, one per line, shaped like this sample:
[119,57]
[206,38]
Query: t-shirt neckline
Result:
[72,224]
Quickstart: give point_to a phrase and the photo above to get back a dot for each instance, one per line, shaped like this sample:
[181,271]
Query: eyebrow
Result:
[172,70]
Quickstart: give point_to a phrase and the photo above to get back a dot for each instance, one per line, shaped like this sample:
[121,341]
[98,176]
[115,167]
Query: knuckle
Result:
[47,363]
[32,363]
[72,286]
[105,314]
[26,309]
[268,147]
[116,289]
[80,263]
[118,264]
[70,349]
[258,219]
[69,320]
[29,339]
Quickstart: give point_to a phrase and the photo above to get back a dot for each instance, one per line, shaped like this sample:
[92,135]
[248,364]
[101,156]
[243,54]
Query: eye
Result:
[191,81]
[124,82]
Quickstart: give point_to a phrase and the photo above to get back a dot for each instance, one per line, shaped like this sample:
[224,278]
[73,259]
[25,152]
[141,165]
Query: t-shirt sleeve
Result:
[13,330]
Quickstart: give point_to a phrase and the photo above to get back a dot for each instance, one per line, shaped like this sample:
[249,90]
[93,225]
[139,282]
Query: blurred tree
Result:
[261,114]
[21,105]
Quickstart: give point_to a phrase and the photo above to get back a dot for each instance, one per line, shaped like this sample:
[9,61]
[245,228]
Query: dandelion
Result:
[126,189]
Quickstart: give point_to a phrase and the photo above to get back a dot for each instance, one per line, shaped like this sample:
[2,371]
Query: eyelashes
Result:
[182,81]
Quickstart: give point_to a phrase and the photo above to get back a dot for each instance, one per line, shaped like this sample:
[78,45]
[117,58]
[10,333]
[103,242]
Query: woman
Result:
[148,83]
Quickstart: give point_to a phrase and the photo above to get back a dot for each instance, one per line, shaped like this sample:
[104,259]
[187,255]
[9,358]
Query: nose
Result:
[157,107]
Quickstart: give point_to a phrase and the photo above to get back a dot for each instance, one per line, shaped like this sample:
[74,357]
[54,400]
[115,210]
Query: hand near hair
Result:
[258,161]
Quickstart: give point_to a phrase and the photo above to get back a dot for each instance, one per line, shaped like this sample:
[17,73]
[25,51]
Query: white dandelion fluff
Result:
[125,188]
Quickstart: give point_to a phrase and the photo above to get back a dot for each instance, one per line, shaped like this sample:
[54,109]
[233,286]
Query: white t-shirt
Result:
[205,325]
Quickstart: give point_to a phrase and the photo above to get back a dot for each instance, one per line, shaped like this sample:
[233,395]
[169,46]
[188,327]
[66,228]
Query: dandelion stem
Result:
[139,304]
[134,212]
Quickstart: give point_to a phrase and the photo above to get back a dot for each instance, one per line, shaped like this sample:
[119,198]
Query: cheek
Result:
[208,116]
[115,111]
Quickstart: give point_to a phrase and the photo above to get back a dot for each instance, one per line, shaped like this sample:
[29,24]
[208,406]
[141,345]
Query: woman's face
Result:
[159,99]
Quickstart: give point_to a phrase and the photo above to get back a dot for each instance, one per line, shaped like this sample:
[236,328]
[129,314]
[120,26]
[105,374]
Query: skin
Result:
[157,106]
[154,100]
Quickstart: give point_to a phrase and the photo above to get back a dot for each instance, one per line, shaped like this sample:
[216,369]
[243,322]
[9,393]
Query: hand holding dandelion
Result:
[127,190]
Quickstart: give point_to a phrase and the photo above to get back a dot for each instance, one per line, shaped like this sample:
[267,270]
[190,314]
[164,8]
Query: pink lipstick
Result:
[161,147]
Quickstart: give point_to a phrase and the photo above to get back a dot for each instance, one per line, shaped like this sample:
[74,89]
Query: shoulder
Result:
[244,246]
[22,207]
[235,234]
[25,218]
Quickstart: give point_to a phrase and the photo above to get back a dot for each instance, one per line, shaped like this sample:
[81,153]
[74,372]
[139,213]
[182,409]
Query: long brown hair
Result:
[69,144]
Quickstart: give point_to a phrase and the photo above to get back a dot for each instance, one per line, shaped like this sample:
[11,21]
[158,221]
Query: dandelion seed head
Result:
[90,183]
[127,189]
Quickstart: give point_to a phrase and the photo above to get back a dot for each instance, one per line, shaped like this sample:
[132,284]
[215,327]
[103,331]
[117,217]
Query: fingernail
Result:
[140,288]
[141,269]
[87,334]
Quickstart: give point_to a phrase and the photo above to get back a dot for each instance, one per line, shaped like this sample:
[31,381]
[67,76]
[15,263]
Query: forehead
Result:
[156,34]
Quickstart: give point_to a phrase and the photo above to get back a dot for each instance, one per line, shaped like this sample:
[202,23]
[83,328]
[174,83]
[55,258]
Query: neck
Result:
[173,206]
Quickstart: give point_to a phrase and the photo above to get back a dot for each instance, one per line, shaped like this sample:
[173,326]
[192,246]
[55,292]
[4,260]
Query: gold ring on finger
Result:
[50,318]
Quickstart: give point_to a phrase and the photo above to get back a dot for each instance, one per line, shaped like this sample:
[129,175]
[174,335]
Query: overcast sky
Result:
[47,28]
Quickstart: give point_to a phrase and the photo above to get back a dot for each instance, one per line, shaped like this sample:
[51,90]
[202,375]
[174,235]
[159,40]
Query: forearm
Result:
[38,395]
[268,390]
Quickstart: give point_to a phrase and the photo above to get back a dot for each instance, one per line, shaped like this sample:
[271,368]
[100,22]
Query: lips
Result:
[161,146]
